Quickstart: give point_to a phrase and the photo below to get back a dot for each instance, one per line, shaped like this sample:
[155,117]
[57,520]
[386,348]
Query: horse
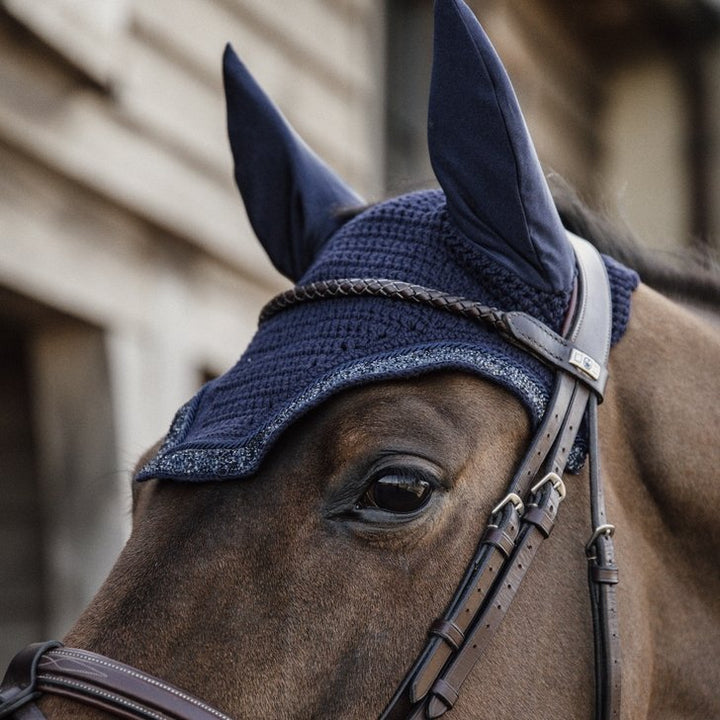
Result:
[296,574]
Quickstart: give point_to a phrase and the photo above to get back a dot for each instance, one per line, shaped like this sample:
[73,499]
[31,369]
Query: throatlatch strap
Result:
[527,515]
[603,580]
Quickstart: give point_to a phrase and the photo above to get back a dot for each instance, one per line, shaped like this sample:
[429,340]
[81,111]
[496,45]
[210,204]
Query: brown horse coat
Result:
[264,598]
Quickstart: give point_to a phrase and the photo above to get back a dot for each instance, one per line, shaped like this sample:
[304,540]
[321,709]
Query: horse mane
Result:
[686,275]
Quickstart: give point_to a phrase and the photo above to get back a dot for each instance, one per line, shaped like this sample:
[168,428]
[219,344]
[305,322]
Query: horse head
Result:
[310,513]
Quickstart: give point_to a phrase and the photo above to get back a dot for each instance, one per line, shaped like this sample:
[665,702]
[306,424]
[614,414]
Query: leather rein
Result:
[518,524]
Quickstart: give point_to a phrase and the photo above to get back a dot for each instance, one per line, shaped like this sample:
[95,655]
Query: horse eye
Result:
[397,493]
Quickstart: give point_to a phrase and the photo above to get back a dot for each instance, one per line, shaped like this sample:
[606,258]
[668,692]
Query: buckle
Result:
[510,498]
[607,530]
[557,483]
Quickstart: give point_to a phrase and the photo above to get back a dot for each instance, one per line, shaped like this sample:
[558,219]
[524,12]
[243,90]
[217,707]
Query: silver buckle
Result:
[510,498]
[557,483]
[607,529]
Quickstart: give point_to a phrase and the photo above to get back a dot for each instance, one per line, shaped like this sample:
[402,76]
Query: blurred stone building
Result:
[128,272]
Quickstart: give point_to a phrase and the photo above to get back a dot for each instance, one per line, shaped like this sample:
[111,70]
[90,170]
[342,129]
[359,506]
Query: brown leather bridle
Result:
[518,524]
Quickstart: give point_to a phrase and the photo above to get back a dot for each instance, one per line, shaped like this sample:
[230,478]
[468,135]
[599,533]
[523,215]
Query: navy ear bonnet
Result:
[308,352]
[498,241]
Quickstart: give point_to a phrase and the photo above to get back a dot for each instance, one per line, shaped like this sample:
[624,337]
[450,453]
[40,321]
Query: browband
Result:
[517,327]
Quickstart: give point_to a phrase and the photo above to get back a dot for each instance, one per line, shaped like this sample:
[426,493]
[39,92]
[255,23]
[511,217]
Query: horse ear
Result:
[292,198]
[483,156]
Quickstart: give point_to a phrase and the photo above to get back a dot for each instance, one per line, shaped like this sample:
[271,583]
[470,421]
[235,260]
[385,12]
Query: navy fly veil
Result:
[491,234]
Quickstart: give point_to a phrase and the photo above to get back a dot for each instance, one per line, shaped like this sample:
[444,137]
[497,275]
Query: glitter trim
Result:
[203,463]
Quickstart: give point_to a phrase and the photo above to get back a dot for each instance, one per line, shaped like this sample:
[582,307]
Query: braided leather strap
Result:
[518,328]
[391,289]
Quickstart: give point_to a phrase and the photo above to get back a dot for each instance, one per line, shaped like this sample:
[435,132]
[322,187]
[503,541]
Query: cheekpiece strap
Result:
[527,514]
